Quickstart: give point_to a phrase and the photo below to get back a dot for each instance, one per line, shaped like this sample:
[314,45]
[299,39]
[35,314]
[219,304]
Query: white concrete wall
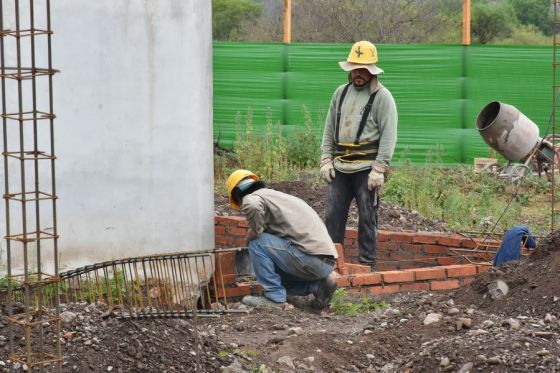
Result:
[134,128]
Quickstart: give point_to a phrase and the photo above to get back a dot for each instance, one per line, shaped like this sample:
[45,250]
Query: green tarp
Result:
[439,89]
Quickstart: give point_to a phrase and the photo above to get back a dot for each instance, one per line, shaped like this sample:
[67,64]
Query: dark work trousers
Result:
[340,193]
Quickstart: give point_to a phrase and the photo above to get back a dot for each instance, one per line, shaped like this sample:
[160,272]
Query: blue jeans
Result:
[340,193]
[282,269]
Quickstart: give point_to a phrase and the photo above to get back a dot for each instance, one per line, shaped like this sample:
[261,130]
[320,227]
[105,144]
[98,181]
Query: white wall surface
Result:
[134,128]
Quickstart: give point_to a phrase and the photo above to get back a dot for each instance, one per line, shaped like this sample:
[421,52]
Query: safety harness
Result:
[357,151]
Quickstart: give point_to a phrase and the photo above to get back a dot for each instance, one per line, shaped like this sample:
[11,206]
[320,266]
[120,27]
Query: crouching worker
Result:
[290,248]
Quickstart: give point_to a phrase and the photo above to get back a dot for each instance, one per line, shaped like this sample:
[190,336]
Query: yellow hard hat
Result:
[363,55]
[234,179]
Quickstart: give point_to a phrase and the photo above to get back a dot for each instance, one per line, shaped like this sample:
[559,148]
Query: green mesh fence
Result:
[439,90]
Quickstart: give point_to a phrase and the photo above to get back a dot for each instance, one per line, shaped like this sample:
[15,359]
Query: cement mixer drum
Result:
[507,130]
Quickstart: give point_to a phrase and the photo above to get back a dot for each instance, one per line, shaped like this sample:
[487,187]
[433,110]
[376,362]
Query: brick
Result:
[401,236]
[452,241]
[449,260]
[351,252]
[435,249]
[429,273]
[351,233]
[444,285]
[418,286]
[382,254]
[400,256]
[357,268]
[361,279]
[243,223]
[219,229]
[222,220]
[225,263]
[468,243]
[385,266]
[385,289]
[227,279]
[461,270]
[424,238]
[483,267]
[224,241]
[425,259]
[388,245]
[342,281]
[398,276]
[468,280]
[382,236]
[237,231]
[357,291]
[412,247]
[348,242]
[240,242]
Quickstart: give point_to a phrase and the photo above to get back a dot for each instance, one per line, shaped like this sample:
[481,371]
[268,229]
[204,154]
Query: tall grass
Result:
[460,198]
[270,153]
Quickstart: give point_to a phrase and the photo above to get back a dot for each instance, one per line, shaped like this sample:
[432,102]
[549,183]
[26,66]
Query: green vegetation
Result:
[458,197]
[341,306]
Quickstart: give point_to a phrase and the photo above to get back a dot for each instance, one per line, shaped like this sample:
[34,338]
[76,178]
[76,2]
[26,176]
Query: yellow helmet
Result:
[234,179]
[363,53]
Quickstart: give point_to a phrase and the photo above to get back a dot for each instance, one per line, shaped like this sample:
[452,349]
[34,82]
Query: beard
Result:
[360,82]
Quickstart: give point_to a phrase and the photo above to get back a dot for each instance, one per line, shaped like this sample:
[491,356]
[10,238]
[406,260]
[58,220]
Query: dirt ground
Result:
[468,330]
[391,217]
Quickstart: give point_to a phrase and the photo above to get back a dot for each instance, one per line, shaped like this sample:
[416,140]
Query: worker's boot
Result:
[324,294]
[260,302]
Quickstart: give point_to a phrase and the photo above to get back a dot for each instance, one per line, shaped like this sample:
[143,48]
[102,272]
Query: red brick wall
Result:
[395,250]
[407,261]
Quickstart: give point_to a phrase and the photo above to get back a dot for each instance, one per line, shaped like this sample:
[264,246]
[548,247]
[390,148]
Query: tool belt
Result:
[363,151]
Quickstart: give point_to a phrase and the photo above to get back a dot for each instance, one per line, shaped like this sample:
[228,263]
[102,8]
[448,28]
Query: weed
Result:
[340,306]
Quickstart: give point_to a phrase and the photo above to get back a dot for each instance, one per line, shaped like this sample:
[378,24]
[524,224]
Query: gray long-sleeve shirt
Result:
[381,125]
[288,217]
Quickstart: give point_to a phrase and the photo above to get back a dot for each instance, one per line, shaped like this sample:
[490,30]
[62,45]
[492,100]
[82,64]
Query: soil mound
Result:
[390,217]
[533,286]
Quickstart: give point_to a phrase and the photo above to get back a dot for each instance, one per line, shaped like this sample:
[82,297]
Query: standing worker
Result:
[358,143]
[289,246]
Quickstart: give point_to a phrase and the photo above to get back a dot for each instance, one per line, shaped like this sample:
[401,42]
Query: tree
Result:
[228,16]
[491,21]
[534,12]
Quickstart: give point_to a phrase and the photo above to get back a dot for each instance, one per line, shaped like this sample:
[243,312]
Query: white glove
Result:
[376,178]
[327,170]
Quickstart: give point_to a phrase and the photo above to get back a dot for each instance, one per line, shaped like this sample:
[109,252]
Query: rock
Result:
[498,289]
[545,335]
[432,318]
[543,352]
[287,360]
[478,332]
[466,368]
[295,330]
[513,323]
[370,356]
[309,359]
[67,317]
[444,362]
[234,367]
[487,324]
[387,368]
[453,311]
[494,360]
[450,303]
[392,312]
[463,322]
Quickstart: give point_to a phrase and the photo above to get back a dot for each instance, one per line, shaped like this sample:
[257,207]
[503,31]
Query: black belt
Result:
[329,259]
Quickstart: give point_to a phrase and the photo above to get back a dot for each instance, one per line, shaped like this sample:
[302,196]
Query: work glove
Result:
[327,170]
[376,177]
